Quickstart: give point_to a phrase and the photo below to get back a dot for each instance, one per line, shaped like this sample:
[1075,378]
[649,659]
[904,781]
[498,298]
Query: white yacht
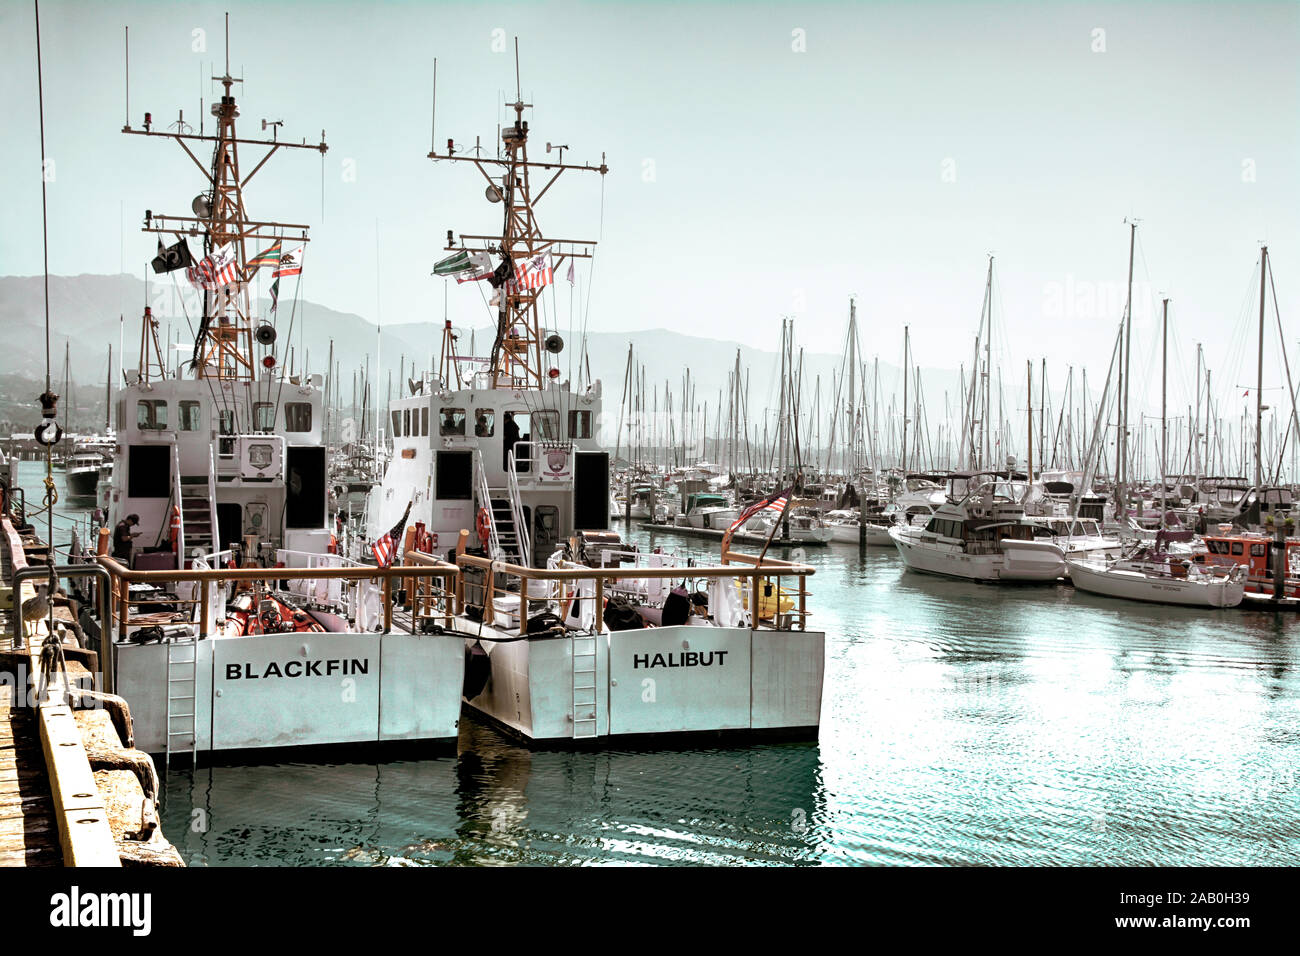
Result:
[980,534]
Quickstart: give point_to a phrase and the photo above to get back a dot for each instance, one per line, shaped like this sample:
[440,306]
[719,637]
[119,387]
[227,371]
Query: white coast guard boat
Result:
[226,467]
[570,636]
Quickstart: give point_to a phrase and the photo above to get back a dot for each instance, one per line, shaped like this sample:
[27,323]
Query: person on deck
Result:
[511,436]
[124,538]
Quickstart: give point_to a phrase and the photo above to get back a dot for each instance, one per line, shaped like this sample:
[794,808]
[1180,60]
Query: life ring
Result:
[175,530]
[483,525]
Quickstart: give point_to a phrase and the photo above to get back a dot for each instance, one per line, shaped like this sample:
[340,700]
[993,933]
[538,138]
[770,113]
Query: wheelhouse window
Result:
[452,421]
[397,424]
[263,416]
[485,422]
[151,414]
[424,420]
[297,416]
[406,421]
[579,424]
[545,426]
[191,417]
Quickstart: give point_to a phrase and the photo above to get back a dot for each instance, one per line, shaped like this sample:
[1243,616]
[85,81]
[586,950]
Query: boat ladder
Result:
[182,699]
[584,686]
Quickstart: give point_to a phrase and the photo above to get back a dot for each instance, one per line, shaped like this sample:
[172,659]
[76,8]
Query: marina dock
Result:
[73,791]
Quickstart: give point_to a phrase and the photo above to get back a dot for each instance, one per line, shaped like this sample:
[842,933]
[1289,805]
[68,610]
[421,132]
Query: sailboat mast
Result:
[905,420]
[1259,376]
[1164,387]
[1121,441]
[1029,414]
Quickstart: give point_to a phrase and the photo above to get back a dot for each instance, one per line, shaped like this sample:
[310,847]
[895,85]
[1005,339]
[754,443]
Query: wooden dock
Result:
[71,788]
[29,834]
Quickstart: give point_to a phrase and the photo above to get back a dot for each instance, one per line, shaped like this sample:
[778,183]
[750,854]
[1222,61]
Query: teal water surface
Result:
[961,724]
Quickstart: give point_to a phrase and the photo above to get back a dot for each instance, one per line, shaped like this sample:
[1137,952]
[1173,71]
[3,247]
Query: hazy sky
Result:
[765,159]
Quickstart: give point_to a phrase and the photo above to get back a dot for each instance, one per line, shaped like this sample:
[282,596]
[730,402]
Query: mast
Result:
[1029,391]
[1259,377]
[905,420]
[1164,387]
[223,346]
[518,350]
[108,393]
[851,466]
[987,382]
[1121,441]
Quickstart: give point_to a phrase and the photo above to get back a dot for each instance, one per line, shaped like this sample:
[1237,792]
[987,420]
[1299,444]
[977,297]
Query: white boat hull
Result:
[656,682]
[718,519]
[1136,586]
[1017,561]
[299,689]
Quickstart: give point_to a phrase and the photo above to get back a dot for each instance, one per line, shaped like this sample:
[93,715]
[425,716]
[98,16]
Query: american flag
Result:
[776,501]
[385,548]
[215,271]
[224,267]
[534,273]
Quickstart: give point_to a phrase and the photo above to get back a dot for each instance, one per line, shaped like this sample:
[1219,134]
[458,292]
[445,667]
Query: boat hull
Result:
[82,483]
[657,682]
[1028,561]
[298,690]
[1135,586]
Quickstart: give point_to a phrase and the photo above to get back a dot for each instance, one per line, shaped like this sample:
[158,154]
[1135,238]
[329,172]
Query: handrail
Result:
[178,504]
[363,573]
[769,567]
[517,510]
[212,497]
[484,493]
[756,572]
[102,597]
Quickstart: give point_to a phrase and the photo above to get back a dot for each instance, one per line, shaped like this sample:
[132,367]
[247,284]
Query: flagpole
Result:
[775,526]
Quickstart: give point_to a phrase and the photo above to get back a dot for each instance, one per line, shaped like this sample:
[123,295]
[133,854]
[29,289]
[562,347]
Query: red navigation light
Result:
[554,373]
[268,362]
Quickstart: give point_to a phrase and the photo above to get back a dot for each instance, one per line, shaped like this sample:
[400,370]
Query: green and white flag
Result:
[452,264]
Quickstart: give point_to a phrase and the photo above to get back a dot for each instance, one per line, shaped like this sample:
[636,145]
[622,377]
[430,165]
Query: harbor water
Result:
[962,724]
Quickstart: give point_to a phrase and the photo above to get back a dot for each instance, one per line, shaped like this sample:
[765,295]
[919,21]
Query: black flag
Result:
[171,258]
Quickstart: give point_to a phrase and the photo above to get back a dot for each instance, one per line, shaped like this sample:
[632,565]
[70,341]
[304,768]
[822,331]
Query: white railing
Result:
[178,509]
[212,496]
[485,501]
[327,591]
[517,511]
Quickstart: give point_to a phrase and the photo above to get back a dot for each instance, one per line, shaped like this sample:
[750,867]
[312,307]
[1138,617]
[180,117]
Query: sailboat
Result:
[1158,576]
